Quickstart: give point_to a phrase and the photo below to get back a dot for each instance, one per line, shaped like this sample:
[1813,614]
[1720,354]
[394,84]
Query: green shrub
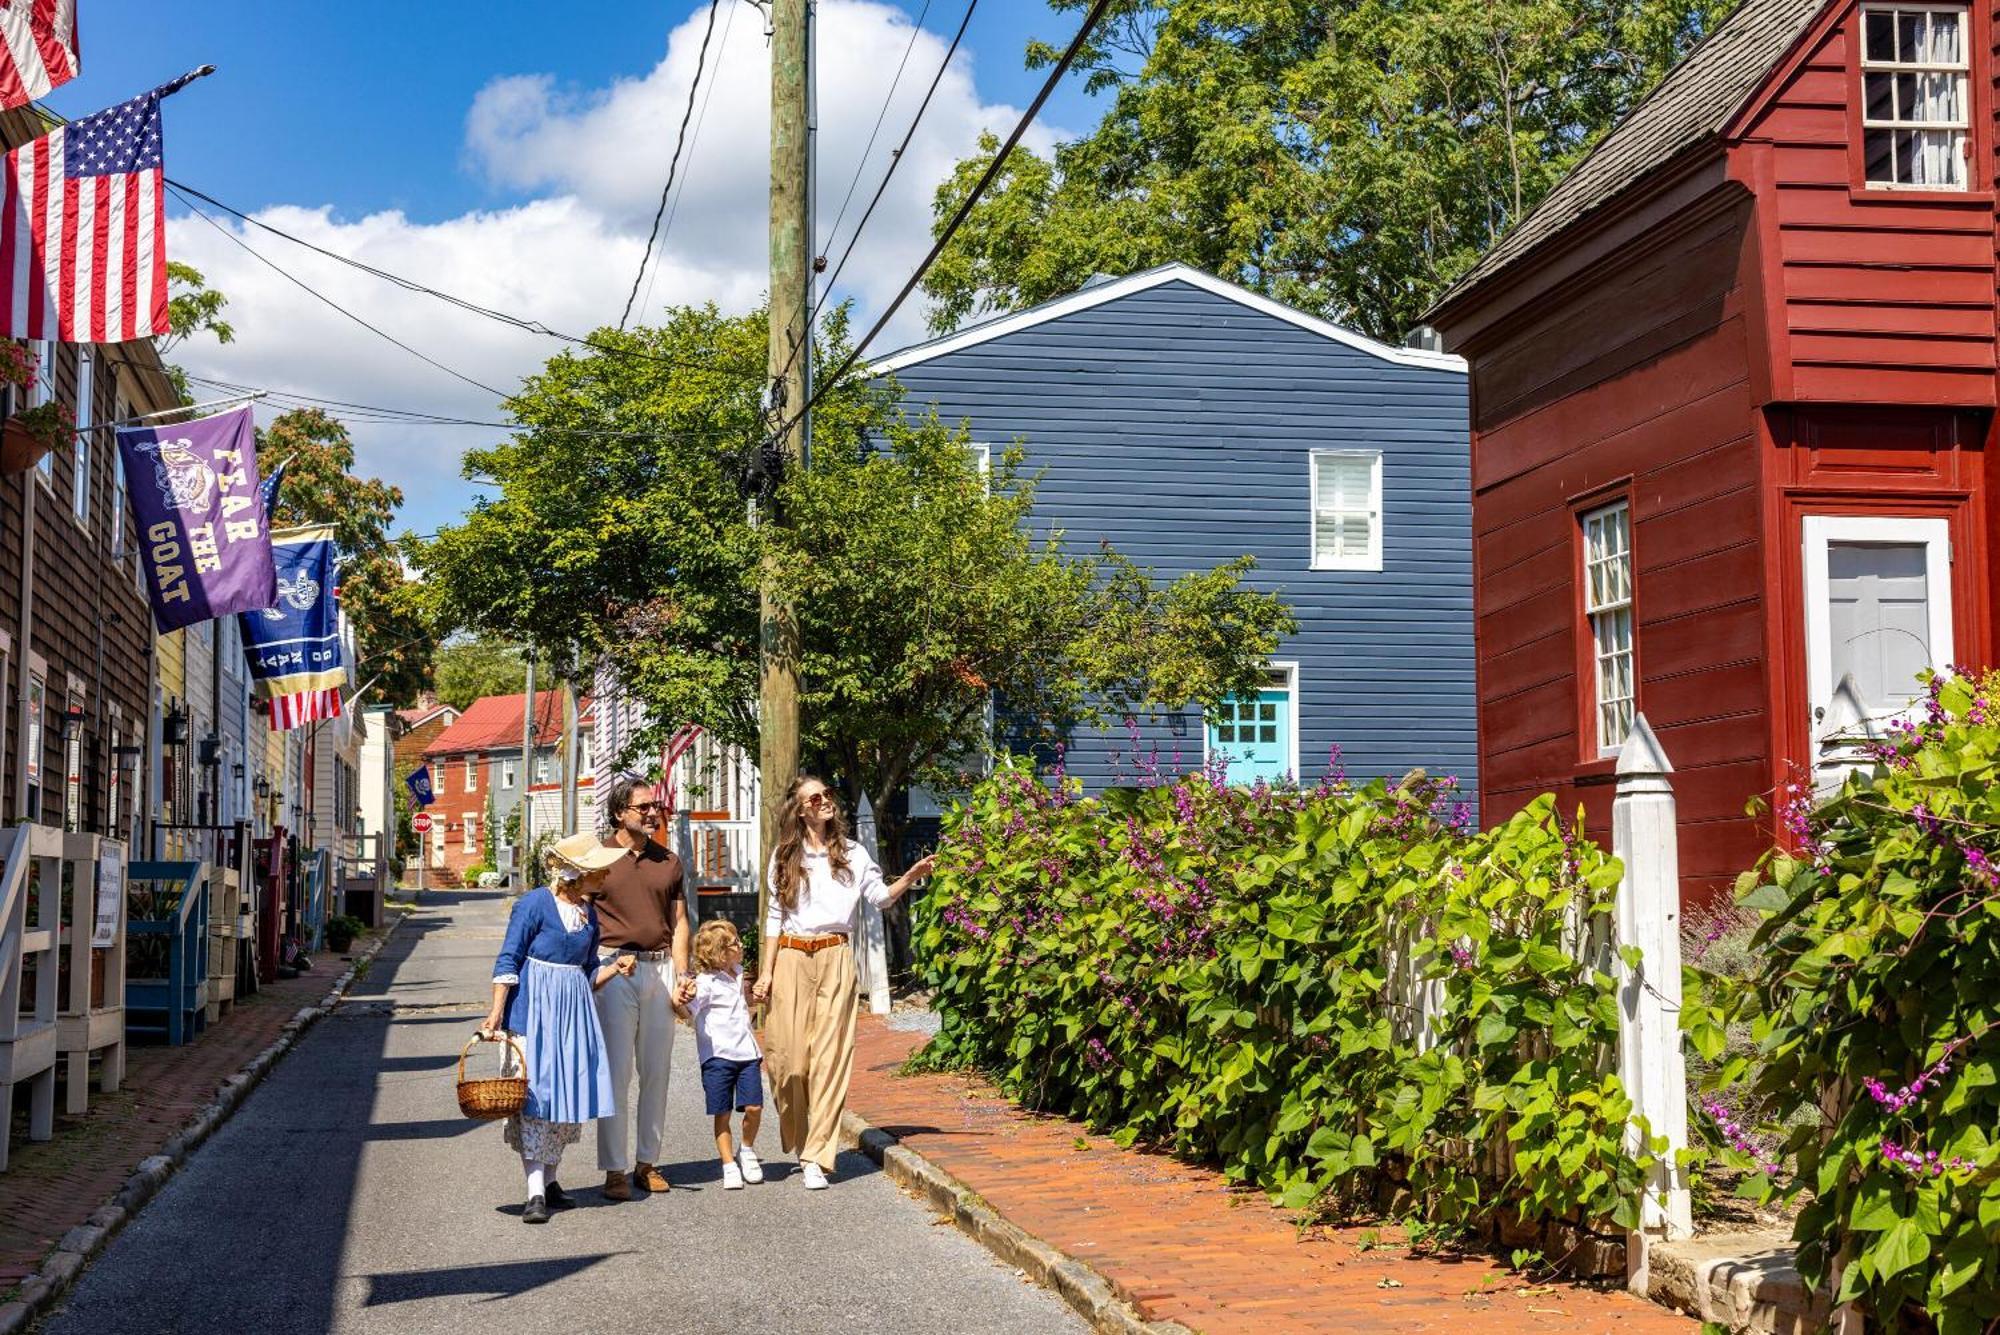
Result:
[1872,1004]
[1208,969]
[341,930]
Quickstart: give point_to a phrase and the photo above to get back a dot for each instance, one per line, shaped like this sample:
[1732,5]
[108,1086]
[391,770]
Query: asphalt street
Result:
[349,1195]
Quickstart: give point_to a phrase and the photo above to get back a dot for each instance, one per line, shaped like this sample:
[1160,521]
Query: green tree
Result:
[392,631]
[471,667]
[620,535]
[1349,157]
[193,307]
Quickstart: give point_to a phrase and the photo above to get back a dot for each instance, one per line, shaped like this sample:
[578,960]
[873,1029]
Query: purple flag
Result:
[201,523]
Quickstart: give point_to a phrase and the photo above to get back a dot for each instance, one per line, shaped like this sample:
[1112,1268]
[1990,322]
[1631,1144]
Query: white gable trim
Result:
[1112,290]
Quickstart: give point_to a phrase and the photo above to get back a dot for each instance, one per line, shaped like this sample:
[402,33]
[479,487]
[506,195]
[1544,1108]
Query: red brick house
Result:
[476,774]
[1732,403]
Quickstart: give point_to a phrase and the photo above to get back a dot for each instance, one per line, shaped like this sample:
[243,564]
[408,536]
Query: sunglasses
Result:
[819,799]
[643,807]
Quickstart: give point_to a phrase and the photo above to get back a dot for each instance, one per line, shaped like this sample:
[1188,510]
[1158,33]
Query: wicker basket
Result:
[501,1096]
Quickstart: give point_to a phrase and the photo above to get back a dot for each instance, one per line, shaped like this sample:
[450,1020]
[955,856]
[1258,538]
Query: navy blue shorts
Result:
[728,1083]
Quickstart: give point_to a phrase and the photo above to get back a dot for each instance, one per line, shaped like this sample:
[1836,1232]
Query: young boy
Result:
[731,1062]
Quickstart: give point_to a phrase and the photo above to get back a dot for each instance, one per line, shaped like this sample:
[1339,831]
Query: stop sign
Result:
[421,822]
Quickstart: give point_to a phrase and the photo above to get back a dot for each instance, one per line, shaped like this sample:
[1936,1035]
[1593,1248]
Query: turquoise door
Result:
[1256,735]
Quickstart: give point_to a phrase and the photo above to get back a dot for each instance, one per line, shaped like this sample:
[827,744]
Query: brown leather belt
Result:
[812,944]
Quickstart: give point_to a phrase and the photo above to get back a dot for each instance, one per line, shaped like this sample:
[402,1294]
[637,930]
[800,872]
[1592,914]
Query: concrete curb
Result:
[1745,1281]
[80,1245]
[1095,1298]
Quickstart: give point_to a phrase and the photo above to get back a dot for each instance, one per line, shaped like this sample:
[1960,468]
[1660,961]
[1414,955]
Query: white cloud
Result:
[590,163]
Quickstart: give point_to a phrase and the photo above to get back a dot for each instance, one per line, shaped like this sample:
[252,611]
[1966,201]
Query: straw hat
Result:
[584,853]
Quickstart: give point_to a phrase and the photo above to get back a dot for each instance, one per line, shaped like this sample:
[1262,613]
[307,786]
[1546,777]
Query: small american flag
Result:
[83,254]
[37,49]
[294,711]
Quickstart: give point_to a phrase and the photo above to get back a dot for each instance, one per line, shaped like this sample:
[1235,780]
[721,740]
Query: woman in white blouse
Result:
[817,879]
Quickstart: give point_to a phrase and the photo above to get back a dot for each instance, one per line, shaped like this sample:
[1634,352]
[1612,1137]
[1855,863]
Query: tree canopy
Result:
[471,667]
[620,534]
[320,487]
[1349,157]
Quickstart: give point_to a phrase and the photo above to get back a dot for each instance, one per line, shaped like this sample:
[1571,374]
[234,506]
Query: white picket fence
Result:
[1650,1060]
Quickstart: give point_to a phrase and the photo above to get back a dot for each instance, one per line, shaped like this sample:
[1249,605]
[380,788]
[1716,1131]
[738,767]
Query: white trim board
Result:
[1113,289]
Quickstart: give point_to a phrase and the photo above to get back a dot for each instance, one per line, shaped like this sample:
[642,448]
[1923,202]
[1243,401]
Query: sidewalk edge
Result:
[1089,1293]
[78,1247]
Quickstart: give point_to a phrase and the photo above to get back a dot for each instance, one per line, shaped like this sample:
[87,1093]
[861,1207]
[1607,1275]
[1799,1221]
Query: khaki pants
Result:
[637,1016]
[809,1048]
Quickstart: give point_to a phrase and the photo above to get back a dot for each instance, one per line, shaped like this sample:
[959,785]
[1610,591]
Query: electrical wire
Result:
[861,164]
[320,296]
[895,160]
[701,59]
[956,221]
[700,119]
[520,322]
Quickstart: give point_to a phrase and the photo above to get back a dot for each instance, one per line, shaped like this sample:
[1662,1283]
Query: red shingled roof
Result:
[494,723]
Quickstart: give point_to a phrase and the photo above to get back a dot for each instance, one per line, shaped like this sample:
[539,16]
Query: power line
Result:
[315,293]
[861,165]
[700,120]
[957,220]
[895,161]
[520,322]
[701,59]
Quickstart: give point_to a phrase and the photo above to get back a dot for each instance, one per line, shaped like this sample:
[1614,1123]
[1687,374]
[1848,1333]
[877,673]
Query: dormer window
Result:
[1915,103]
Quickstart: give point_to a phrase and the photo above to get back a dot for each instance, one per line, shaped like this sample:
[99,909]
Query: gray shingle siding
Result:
[1178,425]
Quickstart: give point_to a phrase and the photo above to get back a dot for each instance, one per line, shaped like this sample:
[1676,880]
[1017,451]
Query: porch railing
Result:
[29,938]
[90,870]
[167,992]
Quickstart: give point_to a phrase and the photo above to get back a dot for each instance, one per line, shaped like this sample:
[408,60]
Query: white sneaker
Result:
[732,1177]
[751,1166]
[815,1177]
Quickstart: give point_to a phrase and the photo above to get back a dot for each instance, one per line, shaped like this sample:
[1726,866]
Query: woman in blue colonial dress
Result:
[542,984]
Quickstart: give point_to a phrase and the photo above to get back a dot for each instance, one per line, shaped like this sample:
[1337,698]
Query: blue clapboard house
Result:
[1189,421]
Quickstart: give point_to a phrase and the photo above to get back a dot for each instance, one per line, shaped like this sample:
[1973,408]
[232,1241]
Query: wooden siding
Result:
[1178,425]
[1628,388]
[91,622]
[1875,296]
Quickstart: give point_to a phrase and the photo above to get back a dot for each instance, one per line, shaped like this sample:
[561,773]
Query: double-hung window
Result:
[1347,509]
[471,774]
[39,393]
[1915,96]
[1607,607]
[79,497]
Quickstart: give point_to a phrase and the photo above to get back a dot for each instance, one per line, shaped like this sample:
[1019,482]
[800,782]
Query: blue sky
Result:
[515,161]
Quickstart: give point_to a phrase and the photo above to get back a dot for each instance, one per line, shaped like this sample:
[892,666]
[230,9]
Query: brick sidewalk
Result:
[1182,1245]
[52,1186]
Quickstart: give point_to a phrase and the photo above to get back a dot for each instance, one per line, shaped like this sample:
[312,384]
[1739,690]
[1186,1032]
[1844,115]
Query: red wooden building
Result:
[1732,401]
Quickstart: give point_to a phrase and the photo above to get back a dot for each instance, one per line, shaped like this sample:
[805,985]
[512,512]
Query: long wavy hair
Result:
[791,854]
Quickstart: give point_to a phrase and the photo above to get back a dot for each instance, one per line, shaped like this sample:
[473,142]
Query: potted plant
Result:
[17,365]
[32,433]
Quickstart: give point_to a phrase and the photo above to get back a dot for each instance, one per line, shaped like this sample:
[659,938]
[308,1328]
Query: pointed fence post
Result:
[1650,1061]
[871,953]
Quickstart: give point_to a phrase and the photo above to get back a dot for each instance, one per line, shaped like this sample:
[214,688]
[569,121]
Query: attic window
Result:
[1915,112]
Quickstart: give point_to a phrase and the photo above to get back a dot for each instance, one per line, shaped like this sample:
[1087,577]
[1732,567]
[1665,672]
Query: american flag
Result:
[83,254]
[293,711]
[40,52]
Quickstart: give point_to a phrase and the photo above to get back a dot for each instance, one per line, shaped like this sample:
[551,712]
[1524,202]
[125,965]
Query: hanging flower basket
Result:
[17,365]
[32,433]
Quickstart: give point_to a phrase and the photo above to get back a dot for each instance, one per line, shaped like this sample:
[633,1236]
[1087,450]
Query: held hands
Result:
[683,992]
[760,992]
[624,965]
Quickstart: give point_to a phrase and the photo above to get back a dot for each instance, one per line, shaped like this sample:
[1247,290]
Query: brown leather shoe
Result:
[617,1187]
[650,1178]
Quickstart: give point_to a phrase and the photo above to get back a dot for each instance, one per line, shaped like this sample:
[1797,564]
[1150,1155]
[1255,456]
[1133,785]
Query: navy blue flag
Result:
[296,663]
[200,524]
[268,491]
[419,784]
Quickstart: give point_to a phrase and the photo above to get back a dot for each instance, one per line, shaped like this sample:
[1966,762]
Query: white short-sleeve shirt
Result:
[826,903]
[722,1018]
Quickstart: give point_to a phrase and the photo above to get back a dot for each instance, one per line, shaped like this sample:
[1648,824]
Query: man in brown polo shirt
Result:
[641,912]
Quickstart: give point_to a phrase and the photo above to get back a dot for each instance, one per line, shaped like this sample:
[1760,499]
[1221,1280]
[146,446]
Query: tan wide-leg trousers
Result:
[809,1048]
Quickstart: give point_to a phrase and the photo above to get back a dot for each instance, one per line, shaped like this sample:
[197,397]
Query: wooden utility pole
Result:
[524,842]
[791,359]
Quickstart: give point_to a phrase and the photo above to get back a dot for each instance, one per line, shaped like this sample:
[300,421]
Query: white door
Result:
[437,842]
[1878,612]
